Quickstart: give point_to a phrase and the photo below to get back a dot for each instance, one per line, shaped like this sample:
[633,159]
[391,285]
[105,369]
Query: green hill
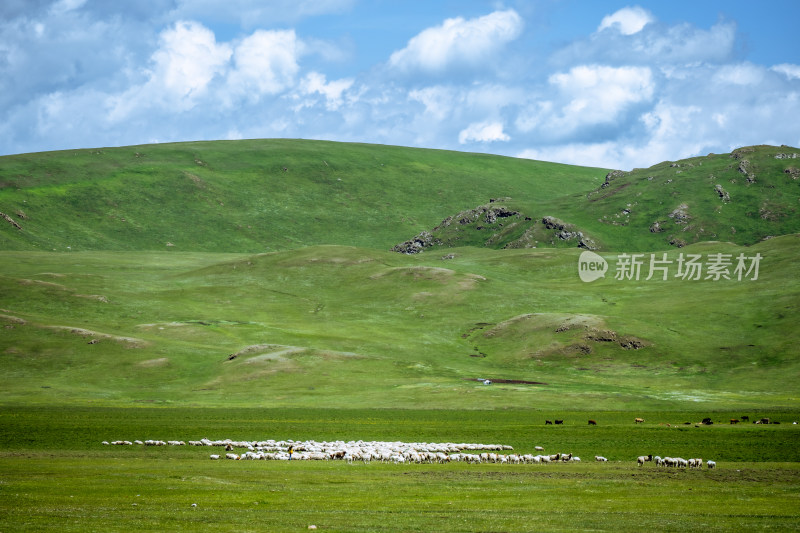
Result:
[742,197]
[255,196]
[279,286]
[266,195]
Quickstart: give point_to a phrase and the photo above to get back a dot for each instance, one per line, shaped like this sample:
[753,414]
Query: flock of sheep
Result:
[390,452]
[675,462]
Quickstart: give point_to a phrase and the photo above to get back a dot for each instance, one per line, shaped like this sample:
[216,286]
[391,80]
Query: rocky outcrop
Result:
[611,176]
[10,221]
[567,232]
[723,194]
[681,214]
[744,168]
[488,214]
[414,246]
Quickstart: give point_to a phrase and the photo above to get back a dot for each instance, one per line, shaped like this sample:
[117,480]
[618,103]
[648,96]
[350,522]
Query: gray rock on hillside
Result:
[417,244]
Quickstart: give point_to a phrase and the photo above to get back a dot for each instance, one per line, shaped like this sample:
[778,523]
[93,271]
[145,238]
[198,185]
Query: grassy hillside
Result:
[254,196]
[260,273]
[742,197]
[268,195]
[347,327]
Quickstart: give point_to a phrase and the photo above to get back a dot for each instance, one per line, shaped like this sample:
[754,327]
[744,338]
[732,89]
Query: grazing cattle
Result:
[706,421]
[734,420]
[638,420]
[592,423]
[762,421]
[546,422]
[561,422]
[745,418]
[711,464]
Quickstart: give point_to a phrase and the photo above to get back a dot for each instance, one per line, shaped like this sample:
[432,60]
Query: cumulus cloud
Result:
[627,21]
[188,59]
[789,70]
[458,42]
[739,74]
[654,44]
[633,92]
[589,95]
[315,83]
[483,132]
[264,63]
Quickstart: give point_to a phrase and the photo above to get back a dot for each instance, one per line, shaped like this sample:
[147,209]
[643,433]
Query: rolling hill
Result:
[260,273]
[269,195]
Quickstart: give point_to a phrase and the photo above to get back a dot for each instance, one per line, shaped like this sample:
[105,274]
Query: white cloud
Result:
[458,42]
[633,93]
[188,59]
[483,132]
[654,44]
[627,21]
[740,74]
[595,94]
[789,70]
[265,63]
[316,83]
[438,100]
[64,6]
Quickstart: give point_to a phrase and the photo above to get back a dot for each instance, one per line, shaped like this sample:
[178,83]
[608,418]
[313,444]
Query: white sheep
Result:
[600,458]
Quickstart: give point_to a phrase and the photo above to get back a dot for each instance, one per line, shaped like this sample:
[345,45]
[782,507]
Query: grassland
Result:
[237,197]
[347,327]
[278,194]
[245,290]
[57,475]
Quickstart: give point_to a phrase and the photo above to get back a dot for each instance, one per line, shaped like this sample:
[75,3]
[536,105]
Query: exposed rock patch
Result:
[10,221]
[744,168]
[494,225]
[723,194]
[680,214]
[417,244]
[568,232]
[611,176]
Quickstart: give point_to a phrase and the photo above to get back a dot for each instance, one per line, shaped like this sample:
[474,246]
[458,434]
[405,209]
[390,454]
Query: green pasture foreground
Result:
[56,475]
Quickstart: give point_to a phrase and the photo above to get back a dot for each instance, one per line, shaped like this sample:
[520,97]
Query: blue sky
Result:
[605,83]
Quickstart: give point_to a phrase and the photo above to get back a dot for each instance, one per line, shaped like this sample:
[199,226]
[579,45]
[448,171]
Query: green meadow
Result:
[57,476]
[347,327]
[247,290]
